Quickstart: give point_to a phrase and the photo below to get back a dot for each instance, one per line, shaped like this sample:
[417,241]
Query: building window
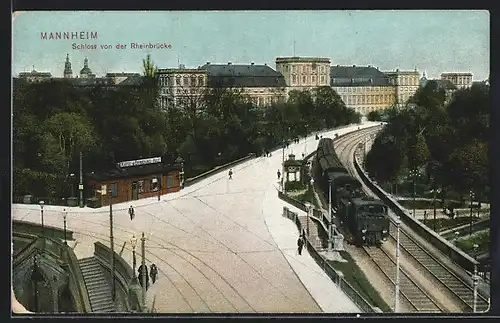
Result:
[178,80]
[185,81]
[155,184]
[313,78]
[294,79]
[170,181]
[114,189]
[322,79]
[193,80]
[140,186]
[200,81]
[304,79]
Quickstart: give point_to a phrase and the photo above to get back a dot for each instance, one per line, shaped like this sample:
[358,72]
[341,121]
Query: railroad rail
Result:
[418,298]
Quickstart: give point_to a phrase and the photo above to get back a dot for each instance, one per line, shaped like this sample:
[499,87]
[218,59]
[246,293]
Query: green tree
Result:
[374,116]
[418,152]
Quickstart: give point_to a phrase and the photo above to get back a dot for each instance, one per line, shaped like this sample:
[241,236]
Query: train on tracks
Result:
[364,217]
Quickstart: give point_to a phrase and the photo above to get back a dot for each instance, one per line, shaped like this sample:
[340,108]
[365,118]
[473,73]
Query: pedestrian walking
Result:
[153,273]
[279,174]
[143,273]
[300,244]
[231,173]
[131,213]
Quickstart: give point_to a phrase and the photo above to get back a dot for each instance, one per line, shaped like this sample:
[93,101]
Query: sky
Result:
[429,40]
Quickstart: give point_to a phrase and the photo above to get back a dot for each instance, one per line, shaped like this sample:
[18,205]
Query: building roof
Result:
[34,74]
[357,76]
[456,74]
[302,60]
[128,172]
[135,80]
[122,74]
[243,76]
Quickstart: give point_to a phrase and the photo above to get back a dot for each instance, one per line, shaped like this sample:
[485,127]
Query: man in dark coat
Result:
[279,174]
[131,212]
[140,276]
[153,273]
[300,244]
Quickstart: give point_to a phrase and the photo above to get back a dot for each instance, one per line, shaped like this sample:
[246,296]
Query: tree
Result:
[418,152]
[374,116]
[72,133]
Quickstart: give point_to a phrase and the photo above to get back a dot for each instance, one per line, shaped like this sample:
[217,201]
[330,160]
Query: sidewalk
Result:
[284,232]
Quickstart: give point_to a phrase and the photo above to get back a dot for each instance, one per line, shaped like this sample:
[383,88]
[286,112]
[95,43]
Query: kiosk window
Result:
[155,184]
[140,186]
[114,189]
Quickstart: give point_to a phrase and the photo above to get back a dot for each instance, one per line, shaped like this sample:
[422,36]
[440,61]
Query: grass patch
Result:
[305,196]
[481,238]
[448,223]
[357,279]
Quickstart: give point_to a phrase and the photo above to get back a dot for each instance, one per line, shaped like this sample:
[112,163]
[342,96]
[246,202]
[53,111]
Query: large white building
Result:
[460,80]
[304,73]
[363,88]
[180,86]
[406,84]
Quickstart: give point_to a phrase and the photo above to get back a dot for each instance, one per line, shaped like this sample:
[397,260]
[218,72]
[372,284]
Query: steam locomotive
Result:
[366,218]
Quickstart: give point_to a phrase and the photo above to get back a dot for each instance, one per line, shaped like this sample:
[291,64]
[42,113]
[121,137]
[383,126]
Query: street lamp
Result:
[41,214]
[143,272]
[414,173]
[434,192]
[180,161]
[72,176]
[396,299]
[65,214]
[475,247]
[112,244]
[36,277]
[133,243]
[159,187]
[471,195]
[456,238]
[475,280]
[283,167]
[308,208]
[330,200]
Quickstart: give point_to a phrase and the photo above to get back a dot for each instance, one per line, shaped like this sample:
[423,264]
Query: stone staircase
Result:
[97,285]
[313,232]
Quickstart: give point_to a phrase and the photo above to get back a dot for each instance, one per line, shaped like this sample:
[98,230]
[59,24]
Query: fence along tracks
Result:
[409,290]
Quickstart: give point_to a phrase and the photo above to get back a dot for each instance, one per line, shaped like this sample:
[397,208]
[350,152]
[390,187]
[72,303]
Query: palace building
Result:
[363,88]
[304,73]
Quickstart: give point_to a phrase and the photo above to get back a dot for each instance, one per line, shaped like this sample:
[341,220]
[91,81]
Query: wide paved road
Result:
[220,245]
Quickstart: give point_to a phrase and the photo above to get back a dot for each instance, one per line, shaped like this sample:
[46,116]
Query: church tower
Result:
[68,73]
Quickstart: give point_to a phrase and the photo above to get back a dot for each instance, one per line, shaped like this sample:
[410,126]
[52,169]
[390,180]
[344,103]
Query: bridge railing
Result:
[353,295]
[123,273]
[218,169]
[447,248]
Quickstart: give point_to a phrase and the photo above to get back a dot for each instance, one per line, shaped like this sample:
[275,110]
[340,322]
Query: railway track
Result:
[461,290]
[411,292]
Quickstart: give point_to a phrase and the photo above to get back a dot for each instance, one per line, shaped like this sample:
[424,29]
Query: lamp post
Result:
[475,280]
[471,195]
[143,263]
[414,173]
[36,277]
[456,238]
[72,176]
[65,214]
[80,185]
[159,187]
[396,299]
[41,214]
[133,243]
[180,161]
[434,192]
[283,167]
[475,247]
[308,208]
[330,200]
[112,244]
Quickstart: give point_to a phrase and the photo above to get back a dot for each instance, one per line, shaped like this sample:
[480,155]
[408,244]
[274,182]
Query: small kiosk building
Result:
[135,179]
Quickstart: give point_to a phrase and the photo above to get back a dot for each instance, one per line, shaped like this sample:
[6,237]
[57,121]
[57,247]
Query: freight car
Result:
[365,218]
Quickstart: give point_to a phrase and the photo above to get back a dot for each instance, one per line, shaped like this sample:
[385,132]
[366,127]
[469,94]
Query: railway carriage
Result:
[364,217]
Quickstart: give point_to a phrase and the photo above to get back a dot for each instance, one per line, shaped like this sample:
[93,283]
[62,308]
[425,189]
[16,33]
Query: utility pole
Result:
[283,182]
[474,283]
[396,299]
[143,278]
[112,244]
[80,186]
